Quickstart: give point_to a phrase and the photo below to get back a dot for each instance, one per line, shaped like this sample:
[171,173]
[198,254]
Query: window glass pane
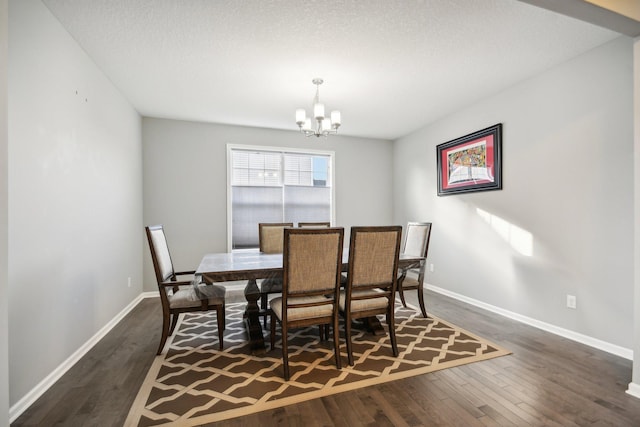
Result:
[306,169]
[240,176]
[240,159]
[306,178]
[250,206]
[306,164]
[256,177]
[272,178]
[256,161]
[255,168]
[307,204]
[291,178]
[321,171]
[272,161]
[273,186]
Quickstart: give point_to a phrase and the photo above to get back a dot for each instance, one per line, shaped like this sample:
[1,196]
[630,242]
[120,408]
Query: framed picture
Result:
[471,163]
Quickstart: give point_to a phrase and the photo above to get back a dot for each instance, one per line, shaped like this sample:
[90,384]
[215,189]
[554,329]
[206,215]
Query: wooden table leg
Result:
[252,318]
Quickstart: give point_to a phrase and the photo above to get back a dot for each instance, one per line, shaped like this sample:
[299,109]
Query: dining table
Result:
[252,265]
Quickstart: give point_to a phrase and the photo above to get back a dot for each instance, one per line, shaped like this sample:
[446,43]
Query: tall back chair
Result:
[372,278]
[416,242]
[312,261]
[271,237]
[181,296]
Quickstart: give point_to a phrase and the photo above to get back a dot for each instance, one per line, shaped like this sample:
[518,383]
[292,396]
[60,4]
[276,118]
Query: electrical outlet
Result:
[129,281]
[431,268]
[571,301]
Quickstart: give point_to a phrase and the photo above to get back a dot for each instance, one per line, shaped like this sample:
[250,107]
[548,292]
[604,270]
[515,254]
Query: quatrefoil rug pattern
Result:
[193,383]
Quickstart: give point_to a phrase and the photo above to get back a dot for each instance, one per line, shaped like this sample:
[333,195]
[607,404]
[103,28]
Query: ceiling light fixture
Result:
[323,126]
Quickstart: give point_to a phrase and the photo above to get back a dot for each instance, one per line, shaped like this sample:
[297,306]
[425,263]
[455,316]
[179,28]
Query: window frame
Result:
[283,150]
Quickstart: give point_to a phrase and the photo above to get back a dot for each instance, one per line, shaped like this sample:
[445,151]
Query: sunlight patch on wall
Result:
[519,239]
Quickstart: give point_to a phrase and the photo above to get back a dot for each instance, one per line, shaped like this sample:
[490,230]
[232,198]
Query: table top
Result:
[247,265]
[239,266]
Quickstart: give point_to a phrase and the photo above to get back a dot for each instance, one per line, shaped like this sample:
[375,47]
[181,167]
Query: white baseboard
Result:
[634,390]
[583,339]
[20,406]
[152,294]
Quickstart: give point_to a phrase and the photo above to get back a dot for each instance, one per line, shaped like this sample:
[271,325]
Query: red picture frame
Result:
[471,163]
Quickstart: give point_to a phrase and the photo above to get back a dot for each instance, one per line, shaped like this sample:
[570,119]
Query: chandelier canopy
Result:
[318,125]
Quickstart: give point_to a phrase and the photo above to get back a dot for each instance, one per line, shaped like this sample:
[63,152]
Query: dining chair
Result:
[181,296]
[416,242]
[372,278]
[311,261]
[270,238]
[314,224]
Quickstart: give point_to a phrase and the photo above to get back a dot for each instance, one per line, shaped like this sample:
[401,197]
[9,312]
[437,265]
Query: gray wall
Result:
[568,181]
[185,182]
[75,197]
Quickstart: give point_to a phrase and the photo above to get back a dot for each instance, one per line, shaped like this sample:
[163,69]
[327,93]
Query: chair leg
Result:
[273,330]
[421,301]
[336,343]
[174,322]
[264,303]
[324,332]
[347,331]
[401,292]
[220,318]
[224,316]
[285,352]
[166,320]
[392,330]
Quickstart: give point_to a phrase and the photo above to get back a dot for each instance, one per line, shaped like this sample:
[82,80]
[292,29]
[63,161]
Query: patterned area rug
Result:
[193,383]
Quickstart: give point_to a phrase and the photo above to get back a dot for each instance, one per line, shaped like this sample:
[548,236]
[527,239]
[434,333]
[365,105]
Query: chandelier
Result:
[318,124]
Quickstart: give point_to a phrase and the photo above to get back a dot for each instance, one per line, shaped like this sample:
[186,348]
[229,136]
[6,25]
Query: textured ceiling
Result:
[390,66]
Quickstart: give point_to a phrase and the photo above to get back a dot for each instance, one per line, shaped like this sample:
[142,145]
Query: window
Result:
[276,185]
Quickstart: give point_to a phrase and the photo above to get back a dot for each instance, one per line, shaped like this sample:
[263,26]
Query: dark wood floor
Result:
[548,380]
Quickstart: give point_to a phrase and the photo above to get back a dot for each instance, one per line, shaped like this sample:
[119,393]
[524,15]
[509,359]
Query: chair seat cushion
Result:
[186,296]
[302,312]
[365,304]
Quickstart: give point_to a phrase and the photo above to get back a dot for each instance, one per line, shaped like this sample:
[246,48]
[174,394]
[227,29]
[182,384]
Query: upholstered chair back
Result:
[375,255]
[312,260]
[160,253]
[271,237]
[417,238]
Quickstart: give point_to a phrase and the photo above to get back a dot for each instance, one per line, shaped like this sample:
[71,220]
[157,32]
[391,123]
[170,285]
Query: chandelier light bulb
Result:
[318,111]
[335,118]
[307,126]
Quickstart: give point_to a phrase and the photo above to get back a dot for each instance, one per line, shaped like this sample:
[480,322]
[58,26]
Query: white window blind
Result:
[256,169]
[276,186]
[298,170]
